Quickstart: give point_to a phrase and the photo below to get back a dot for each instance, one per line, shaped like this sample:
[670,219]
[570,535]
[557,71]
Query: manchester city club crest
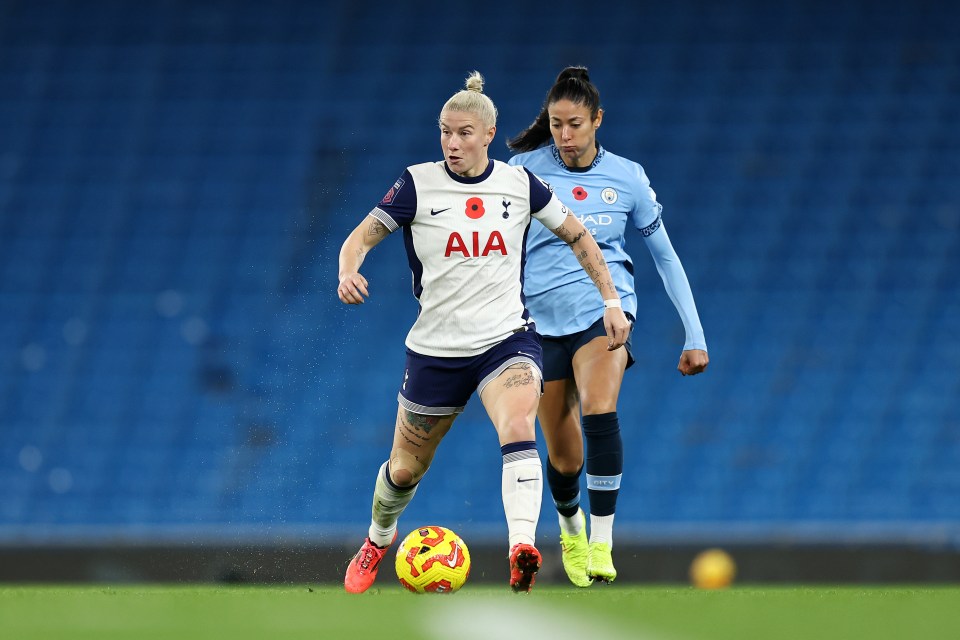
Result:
[609,195]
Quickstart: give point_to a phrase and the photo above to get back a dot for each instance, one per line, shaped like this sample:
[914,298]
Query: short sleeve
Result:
[399,203]
[540,192]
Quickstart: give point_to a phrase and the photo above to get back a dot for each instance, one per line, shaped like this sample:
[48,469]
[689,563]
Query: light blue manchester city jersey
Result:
[605,196]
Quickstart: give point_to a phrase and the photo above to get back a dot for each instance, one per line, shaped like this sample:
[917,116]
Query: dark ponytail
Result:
[572,84]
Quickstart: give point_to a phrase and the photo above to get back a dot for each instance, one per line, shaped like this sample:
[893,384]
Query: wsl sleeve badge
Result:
[392,193]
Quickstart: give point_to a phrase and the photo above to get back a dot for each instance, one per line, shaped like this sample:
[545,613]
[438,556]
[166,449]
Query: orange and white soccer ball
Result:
[433,559]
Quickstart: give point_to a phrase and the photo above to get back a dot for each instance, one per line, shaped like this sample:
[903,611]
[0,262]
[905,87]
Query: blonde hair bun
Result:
[472,99]
[474,82]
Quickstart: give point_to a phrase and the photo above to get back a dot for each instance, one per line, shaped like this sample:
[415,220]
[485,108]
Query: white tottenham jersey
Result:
[465,241]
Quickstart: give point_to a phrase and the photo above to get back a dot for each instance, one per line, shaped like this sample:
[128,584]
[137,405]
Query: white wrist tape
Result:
[613,303]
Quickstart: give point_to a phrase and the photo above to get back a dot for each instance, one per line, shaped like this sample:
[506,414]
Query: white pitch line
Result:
[474,619]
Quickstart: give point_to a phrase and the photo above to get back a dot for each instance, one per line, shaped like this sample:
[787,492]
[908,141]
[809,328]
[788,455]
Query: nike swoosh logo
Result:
[453,562]
[434,212]
[525,479]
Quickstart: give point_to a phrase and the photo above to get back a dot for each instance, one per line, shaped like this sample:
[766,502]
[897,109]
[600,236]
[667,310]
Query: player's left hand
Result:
[617,326]
[693,361]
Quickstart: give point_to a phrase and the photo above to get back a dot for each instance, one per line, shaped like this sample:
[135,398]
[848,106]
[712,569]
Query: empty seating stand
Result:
[176,181]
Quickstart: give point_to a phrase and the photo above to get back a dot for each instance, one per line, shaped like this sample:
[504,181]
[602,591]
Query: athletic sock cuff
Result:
[515,451]
[600,424]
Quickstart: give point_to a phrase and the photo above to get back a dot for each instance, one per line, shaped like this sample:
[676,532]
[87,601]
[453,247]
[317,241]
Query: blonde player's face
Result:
[464,139]
[574,132]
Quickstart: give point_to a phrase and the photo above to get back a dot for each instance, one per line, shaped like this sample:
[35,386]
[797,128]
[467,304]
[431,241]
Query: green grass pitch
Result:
[607,612]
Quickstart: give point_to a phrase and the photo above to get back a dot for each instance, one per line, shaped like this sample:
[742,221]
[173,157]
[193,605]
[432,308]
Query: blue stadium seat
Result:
[175,183]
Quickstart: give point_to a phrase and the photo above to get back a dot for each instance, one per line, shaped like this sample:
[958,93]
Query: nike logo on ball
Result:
[452,562]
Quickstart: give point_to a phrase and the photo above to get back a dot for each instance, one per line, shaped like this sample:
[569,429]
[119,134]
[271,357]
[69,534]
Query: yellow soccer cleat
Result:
[600,563]
[574,550]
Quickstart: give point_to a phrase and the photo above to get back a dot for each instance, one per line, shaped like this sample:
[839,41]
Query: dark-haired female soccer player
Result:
[581,376]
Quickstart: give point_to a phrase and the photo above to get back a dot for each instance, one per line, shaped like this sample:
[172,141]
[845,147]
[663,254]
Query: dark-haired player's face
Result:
[464,139]
[574,132]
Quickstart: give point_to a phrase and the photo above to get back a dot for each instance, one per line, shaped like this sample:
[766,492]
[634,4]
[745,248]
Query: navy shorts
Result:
[558,352]
[441,386]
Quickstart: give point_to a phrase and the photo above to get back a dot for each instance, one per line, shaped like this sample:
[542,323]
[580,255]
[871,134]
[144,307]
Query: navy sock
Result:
[565,490]
[604,461]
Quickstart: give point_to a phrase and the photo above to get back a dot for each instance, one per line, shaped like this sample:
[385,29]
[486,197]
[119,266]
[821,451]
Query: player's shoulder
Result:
[621,162]
[424,174]
[511,170]
[425,167]
[531,158]
[536,163]
[630,174]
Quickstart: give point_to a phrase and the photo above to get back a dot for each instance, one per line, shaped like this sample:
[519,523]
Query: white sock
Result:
[571,526]
[601,529]
[388,503]
[381,536]
[522,488]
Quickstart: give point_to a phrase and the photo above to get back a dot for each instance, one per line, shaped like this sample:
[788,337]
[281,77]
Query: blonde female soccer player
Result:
[464,220]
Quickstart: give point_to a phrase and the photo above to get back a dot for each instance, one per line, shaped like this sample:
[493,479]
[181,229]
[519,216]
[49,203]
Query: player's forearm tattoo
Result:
[521,375]
[592,267]
[564,234]
[588,265]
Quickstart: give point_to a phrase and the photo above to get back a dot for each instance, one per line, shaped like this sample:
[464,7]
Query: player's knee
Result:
[516,428]
[405,470]
[566,465]
[596,403]
[403,477]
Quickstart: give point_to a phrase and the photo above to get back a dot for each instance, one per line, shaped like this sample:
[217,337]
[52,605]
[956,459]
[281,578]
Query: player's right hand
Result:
[352,288]
[617,326]
[692,362]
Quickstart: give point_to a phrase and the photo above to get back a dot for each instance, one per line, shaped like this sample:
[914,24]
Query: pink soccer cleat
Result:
[525,561]
[362,570]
